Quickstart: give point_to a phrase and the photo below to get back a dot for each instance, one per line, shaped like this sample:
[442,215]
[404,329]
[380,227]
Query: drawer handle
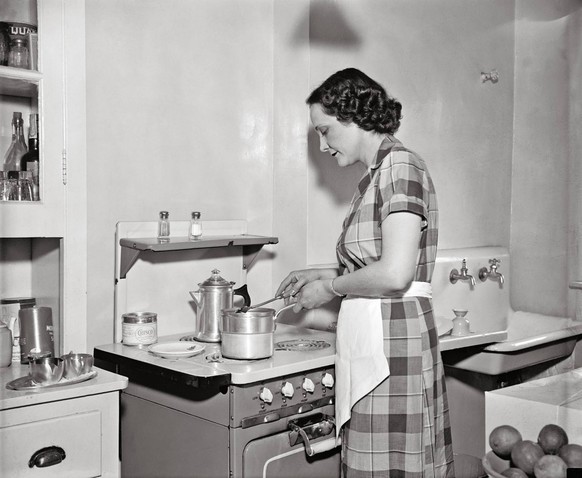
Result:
[49,456]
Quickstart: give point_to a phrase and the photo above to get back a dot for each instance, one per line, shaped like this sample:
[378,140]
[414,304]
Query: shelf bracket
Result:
[128,259]
[250,254]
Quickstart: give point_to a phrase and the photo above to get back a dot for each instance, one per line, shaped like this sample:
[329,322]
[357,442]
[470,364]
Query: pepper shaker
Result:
[164,227]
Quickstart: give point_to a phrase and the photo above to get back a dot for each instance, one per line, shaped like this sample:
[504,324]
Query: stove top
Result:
[296,350]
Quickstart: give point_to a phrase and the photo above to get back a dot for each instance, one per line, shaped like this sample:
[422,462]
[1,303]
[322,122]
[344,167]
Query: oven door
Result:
[284,454]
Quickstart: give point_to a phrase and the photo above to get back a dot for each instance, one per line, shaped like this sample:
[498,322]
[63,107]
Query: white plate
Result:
[176,349]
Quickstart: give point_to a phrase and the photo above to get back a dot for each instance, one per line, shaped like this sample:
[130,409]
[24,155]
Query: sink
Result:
[531,339]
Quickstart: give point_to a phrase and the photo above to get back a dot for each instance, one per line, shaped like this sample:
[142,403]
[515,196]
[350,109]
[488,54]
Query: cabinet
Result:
[77,424]
[43,244]
[39,92]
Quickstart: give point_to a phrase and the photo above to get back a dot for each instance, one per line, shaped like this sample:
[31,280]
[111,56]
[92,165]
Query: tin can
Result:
[139,328]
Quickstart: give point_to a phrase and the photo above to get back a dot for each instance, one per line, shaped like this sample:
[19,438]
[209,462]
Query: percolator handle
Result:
[244,293]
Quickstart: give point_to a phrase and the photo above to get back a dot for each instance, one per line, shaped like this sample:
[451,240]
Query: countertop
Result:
[103,382]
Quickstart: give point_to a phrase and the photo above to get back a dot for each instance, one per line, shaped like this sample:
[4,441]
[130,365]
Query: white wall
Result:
[199,104]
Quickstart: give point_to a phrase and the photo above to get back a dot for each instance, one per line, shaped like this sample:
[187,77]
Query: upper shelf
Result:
[131,247]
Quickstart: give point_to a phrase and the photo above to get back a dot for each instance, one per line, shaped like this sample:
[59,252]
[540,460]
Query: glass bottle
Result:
[17,147]
[30,161]
[18,56]
[195,229]
[164,227]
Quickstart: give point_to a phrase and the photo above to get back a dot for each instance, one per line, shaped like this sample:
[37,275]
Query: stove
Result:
[210,416]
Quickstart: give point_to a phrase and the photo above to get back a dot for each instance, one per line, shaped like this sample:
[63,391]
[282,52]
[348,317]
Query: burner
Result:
[301,345]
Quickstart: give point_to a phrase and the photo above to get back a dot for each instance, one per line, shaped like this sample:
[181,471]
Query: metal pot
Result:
[214,295]
[248,335]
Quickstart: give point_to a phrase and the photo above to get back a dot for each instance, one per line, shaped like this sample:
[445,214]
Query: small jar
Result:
[139,328]
[18,56]
[5,346]
[195,229]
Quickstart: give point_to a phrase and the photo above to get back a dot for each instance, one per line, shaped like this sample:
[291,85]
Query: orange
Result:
[525,454]
[551,438]
[514,473]
[572,455]
[502,439]
[550,466]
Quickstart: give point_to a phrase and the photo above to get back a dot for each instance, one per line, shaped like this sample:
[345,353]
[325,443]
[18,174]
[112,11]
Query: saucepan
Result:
[248,335]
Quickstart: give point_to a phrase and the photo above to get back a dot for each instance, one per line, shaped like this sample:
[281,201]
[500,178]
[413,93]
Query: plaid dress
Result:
[401,428]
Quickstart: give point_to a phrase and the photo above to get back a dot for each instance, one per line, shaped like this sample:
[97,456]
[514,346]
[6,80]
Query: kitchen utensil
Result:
[36,331]
[245,308]
[247,335]
[76,364]
[26,382]
[214,295]
[47,370]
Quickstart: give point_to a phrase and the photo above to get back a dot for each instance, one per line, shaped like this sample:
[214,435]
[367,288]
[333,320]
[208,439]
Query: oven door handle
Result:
[306,429]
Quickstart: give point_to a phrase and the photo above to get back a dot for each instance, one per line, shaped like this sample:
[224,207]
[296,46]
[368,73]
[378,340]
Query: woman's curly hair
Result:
[352,96]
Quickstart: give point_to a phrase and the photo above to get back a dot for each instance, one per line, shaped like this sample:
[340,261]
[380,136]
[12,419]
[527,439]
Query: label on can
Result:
[143,331]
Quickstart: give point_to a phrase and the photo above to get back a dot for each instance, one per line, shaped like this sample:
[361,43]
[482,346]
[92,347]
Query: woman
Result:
[386,254]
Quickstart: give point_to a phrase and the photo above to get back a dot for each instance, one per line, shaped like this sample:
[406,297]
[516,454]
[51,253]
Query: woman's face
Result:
[342,141]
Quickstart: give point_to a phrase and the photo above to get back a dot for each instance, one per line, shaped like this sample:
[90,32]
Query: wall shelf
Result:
[131,248]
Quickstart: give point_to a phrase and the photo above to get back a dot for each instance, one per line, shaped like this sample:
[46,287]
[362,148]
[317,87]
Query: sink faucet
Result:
[455,275]
[492,273]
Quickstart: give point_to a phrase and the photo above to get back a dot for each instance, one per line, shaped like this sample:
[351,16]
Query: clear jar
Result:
[24,186]
[164,227]
[18,56]
[5,346]
[4,186]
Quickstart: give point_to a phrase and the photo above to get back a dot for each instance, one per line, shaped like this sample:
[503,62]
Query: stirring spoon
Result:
[245,308]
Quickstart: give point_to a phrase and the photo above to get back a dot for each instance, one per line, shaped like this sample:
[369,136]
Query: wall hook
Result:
[492,76]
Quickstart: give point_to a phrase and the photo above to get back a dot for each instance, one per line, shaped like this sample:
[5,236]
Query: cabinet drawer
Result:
[79,435]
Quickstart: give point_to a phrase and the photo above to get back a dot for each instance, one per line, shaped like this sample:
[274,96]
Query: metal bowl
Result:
[77,364]
[46,370]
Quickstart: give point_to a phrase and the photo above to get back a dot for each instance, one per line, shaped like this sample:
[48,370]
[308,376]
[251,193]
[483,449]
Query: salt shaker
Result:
[164,227]
[195,229]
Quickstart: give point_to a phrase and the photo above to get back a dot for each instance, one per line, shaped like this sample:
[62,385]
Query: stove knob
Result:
[287,389]
[308,385]
[327,380]
[266,395]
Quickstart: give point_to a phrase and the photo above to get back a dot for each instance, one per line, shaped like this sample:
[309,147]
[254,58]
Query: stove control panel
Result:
[273,399]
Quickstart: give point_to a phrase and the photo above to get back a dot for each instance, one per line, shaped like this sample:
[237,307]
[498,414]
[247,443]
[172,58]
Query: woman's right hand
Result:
[295,280]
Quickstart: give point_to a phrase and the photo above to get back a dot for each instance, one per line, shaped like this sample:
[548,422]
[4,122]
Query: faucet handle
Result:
[494,262]
[464,266]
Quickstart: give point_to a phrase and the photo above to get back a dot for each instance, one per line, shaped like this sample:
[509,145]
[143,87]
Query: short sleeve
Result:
[402,186]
